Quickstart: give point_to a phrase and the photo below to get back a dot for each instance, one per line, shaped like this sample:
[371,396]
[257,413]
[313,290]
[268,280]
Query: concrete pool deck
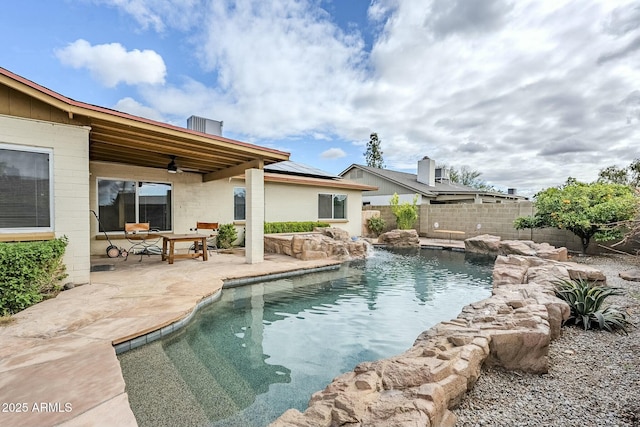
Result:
[58,364]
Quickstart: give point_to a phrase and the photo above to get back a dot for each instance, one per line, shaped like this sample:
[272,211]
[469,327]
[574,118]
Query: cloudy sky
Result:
[526,92]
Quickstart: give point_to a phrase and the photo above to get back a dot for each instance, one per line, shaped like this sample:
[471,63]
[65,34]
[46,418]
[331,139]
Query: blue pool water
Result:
[265,348]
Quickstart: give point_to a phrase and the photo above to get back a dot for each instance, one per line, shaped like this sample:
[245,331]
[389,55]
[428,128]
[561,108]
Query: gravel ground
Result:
[593,378]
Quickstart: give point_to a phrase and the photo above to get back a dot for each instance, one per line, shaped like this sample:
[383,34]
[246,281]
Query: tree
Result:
[373,155]
[625,176]
[405,213]
[470,178]
[587,210]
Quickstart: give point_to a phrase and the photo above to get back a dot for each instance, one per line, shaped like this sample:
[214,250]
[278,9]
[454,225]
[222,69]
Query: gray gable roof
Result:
[410,181]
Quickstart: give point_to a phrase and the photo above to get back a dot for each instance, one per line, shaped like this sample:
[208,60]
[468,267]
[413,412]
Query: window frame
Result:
[333,213]
[49,153]
[136,199]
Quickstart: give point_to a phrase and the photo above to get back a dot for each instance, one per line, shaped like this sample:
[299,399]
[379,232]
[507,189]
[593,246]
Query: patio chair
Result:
[211,229]
[139,234]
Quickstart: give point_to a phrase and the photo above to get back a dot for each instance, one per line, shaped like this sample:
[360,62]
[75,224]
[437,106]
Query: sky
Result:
[528,93]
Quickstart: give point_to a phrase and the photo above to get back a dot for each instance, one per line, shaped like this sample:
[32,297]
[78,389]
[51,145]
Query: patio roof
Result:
[124,138]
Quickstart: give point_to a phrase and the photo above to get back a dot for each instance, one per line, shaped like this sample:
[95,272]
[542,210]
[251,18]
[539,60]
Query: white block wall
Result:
[70,145]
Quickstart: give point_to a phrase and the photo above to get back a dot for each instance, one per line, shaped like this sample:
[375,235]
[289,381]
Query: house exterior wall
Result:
[289,202]
[193,200]
[386,188]
[70,159]
[212,201]
[14,103]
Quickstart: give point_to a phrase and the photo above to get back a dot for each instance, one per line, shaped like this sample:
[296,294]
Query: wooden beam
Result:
[234,170]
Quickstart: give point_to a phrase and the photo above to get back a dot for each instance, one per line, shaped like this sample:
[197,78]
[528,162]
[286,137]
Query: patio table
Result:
[199,241]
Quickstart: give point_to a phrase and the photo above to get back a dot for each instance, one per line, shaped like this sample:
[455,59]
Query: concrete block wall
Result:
[476,219]
[70,159]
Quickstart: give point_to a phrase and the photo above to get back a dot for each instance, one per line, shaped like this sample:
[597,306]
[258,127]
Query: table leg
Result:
[164,248]
[205,250]
[171,251]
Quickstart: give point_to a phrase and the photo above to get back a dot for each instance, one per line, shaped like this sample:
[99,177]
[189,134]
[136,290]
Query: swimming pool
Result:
[265,348]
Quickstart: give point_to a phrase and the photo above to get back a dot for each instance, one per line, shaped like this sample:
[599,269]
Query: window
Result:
[121,201]
[26,186]
[239,204]
[332,206]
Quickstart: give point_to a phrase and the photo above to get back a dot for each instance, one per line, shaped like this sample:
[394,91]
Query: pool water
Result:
[265,348]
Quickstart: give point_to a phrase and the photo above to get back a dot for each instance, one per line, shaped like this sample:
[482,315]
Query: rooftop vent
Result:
[200,124]
[512,191]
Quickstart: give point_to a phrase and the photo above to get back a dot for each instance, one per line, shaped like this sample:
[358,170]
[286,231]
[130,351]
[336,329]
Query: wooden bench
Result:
[450,232]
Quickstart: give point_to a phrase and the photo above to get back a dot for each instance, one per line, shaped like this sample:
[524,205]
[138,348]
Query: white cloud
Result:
[112,63]
[131,106]
[160,14]
[333,153]
[510,88]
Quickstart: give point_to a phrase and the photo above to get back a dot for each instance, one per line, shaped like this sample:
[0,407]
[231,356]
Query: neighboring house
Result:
[431,184]
[60,159]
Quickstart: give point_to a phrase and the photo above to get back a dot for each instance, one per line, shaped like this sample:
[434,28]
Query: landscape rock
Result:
[484,244]
[400,238]
[493,245]
[630,275]
[317,245]
[512,329]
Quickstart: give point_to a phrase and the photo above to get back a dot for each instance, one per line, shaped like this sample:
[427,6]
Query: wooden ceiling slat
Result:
[169,147]
[201,141]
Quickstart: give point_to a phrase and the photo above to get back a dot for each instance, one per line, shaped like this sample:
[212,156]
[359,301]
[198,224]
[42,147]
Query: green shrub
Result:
[29,273]
[376,224]
[292,227]
[227,234]
[586,300]
[406,214]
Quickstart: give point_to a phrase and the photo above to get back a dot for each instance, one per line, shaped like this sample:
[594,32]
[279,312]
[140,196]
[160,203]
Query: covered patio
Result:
[85,143]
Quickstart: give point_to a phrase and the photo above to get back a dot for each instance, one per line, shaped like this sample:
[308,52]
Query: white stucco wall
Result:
[70,145]
[294,202]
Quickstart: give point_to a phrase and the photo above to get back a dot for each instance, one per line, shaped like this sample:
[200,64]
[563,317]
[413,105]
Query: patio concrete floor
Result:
[58,366]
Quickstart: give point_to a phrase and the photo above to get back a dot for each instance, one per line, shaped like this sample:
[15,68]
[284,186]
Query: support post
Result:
[254,232]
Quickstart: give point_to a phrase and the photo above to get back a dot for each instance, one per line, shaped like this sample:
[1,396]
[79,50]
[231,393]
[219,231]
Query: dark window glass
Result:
[117,204]
[25,189]
[239,203]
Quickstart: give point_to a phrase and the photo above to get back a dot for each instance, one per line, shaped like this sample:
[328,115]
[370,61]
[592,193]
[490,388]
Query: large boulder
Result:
[333,232]
[484,244]
[400,238]
[312,246]
[493,245]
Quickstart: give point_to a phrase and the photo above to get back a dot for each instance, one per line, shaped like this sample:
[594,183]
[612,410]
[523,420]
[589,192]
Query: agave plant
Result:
[586,299]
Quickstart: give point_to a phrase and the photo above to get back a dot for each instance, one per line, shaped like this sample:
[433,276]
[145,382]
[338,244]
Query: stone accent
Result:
[631,275]
[400,238]
[494,245]
[323,243]
[510,329]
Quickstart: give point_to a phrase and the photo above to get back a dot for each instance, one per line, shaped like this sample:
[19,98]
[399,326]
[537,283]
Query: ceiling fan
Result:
[172,167]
